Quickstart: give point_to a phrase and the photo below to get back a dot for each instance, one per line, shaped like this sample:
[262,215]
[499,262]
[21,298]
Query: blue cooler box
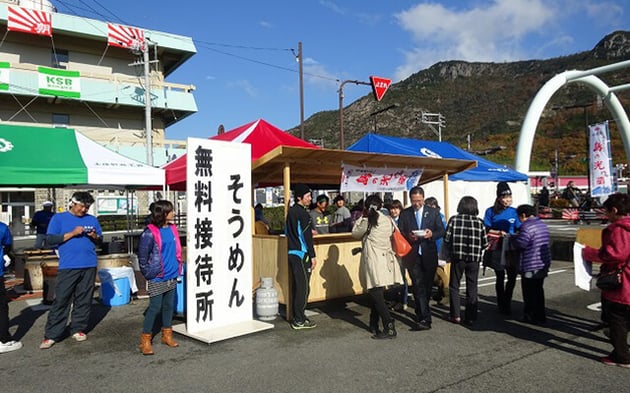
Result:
[114,292]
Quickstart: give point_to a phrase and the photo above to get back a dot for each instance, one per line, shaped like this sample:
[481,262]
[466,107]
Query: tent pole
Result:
[286,181]
[446,204]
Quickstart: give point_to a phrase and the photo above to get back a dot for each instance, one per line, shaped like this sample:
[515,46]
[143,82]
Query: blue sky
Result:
[246,66]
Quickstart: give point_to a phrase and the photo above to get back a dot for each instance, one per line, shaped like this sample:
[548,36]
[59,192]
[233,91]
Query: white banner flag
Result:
[601,175]
[365,179]
[219,234]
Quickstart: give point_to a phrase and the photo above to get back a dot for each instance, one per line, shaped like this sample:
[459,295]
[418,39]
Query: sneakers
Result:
[47,343]
[10,346]
[609,362]
[79,336]
[307,324]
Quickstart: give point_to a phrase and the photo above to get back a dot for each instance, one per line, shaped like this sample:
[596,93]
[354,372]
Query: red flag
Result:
[29,21]
[125,36]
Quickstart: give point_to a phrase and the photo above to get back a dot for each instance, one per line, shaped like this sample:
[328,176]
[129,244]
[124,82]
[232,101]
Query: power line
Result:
[203,44]
[199,43]
[113,14]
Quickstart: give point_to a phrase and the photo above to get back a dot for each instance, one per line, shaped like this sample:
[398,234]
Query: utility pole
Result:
[137,49]
[432,119]
[299,59]
[342,144]
[147,103]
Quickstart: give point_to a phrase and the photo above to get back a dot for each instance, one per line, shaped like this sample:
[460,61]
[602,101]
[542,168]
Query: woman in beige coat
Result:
[379,266]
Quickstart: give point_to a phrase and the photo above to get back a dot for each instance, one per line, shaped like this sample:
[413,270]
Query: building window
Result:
[60,119]
[60,58]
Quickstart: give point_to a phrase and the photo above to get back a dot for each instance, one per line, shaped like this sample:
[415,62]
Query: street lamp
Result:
[342,144]
[373,114]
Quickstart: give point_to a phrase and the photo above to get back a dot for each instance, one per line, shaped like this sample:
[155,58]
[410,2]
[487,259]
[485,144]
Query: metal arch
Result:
[528,129]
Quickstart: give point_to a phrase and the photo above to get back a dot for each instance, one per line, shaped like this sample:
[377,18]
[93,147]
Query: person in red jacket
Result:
[613,254]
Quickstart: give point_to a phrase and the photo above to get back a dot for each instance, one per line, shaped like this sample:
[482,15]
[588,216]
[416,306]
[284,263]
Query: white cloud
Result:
[245,86]
[265,24]
[605,12]
[489,32]
[317,75]
[332,6]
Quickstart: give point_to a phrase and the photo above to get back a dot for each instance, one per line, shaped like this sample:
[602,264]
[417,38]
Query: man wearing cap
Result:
[40,221]
[319,215]
[298,230]
[76,234]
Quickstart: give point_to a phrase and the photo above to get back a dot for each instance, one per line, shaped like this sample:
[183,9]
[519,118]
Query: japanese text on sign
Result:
[366,179]
[219,262]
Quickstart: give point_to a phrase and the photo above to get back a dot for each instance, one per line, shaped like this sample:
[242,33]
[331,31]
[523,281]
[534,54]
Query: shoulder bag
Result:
[400,245]
[612,280]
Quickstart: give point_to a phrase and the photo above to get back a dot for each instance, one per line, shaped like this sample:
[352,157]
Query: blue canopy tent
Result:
[485,171]
[486,175]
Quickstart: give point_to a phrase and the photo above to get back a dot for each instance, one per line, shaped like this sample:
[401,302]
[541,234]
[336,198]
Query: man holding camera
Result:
[75,233]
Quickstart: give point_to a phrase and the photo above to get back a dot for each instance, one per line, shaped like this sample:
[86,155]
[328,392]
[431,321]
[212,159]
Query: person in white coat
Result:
[379,266]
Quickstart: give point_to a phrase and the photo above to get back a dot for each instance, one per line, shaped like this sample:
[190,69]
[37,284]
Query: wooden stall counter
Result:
[335,276]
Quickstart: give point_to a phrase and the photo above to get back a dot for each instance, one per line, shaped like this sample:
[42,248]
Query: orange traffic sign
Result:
[379,86]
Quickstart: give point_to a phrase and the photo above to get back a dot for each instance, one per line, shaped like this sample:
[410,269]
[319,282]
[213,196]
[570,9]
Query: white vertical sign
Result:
[219,234]
[600,160]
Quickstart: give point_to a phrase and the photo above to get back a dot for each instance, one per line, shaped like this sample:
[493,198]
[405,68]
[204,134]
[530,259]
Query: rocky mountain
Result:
[486,104]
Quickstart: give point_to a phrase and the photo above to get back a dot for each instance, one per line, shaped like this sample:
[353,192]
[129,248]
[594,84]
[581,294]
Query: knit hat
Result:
[503,189]
[299,190]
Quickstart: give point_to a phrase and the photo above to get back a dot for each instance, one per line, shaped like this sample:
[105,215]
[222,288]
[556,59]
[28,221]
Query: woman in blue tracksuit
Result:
[160,258]
[501,221]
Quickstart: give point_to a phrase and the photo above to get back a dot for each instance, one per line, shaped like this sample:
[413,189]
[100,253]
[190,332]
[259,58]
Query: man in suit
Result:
[422,260]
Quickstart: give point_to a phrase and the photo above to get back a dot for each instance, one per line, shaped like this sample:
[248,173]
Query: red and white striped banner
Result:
[570,214]
[29,21]
[125,36]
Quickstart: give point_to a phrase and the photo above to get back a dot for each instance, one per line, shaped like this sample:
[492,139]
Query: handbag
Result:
[400,245]
[612,280]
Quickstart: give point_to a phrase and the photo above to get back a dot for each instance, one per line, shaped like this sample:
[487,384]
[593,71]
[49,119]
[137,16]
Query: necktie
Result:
[419,221]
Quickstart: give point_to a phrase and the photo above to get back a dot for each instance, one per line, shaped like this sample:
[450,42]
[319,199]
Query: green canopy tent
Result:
[44,157]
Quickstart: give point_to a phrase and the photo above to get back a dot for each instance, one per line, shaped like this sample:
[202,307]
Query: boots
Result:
[145,344]
[167,337]
[388,332]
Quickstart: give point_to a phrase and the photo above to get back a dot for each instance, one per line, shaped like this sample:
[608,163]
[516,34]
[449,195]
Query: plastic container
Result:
[115,287]
[266,300]
[180,295]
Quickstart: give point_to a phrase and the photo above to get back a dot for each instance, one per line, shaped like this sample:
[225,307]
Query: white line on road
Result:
[463,286]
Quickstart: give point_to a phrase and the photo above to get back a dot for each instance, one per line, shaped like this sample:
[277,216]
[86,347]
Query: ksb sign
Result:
[379,86]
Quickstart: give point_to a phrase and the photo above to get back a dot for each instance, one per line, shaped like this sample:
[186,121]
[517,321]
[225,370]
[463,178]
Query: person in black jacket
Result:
[298,230]
[422,226]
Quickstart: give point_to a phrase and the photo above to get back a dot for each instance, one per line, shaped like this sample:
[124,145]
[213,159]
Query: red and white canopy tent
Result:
[262,135]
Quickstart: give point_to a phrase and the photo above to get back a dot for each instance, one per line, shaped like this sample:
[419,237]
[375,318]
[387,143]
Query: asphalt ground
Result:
[498,354]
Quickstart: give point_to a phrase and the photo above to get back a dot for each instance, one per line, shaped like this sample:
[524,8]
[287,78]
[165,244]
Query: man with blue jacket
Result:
[7,344]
